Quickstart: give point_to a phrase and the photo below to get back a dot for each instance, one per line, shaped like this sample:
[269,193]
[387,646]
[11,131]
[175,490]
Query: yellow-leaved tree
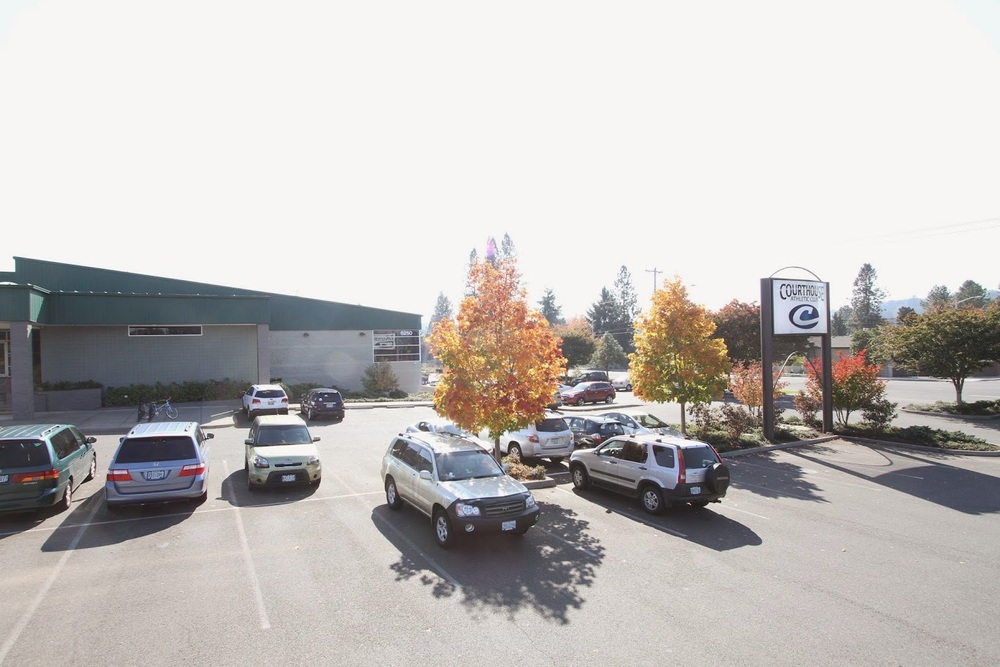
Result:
[501,361]
[676,359]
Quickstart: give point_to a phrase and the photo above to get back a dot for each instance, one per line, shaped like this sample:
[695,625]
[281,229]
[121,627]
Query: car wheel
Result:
[717,478]
[581,480]
[514,451]
[580,401]
[392,498]
[628,387]
[442,530]
[250,415]
[92,473]
[609,399]
[652,499]
[67,497]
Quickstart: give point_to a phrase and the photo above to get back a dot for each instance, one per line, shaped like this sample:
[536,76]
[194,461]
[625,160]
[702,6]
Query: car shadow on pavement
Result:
[107,527]
[236,493]
[698,525]
[547,570]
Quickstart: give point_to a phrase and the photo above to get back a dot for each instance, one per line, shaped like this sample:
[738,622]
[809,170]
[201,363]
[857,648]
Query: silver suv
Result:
[660,470]
[457,484]
[550,438]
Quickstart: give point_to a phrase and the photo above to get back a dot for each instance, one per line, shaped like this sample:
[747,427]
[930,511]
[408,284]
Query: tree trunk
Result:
[496,449]
[683,421]
[959,384]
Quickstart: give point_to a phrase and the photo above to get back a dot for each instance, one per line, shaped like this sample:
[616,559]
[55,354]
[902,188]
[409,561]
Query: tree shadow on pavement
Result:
[765,475]
[547,571]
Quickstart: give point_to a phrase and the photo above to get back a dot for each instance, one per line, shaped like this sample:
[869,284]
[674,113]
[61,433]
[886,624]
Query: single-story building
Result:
[68,323]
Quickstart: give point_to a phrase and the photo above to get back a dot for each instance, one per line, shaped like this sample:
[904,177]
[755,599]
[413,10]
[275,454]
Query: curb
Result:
[546,483]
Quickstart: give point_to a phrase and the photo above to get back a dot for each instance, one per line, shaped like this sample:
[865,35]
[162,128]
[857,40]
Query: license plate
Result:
[695,490]
[508,525]
[4,479]
[288,478]
[154,475]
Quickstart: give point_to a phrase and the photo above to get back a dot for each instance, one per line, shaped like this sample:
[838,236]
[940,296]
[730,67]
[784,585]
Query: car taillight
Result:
[533,438]
[256,400]
[119,476]
[26,477]
[681,468]
[192,469]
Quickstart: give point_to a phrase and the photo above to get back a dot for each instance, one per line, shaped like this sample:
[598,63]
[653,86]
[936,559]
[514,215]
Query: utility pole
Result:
[655,272]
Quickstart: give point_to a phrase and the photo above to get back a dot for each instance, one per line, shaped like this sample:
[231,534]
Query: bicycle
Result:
[151,410]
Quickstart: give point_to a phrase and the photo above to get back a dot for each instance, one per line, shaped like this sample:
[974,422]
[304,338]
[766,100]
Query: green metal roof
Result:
[55,293]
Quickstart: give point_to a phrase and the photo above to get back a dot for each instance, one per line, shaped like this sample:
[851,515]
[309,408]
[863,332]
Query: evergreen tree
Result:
[603,315]
[507,249]
[628,304]
[866,302]
[442,310]
[609,354]
[839,321]
[550,310]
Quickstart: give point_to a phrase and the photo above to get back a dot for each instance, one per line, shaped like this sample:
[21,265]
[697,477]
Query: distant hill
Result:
[890,308]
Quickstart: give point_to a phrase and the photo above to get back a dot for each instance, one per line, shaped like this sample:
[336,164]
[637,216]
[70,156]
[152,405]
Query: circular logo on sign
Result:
[804,316]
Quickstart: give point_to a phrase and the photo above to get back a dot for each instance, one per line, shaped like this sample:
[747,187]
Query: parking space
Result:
[818,554]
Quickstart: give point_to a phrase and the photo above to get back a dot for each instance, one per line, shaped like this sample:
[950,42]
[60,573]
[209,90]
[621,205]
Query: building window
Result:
[396,345]
[4,352]
[194,330]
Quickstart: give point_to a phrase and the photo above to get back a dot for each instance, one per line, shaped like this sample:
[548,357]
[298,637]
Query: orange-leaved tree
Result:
[501,361]
[675,357]
[747,385]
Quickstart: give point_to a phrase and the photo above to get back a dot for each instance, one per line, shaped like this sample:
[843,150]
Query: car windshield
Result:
[283,435]
[144,450]
[469,464]
[649,421]
[23,454]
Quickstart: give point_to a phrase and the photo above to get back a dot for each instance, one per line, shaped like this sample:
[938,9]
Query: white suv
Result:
[660,470]
[456,483]
[551,438]
[265,399]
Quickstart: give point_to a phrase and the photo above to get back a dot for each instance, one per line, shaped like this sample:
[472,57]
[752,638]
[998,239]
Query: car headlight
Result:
[260,462]
[313,461]
[529,501]
[464,509]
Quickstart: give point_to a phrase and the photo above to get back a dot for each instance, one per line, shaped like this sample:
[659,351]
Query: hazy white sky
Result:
[358,151]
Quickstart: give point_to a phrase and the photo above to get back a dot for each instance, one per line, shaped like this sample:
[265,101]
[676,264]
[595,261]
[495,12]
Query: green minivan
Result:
[42,464]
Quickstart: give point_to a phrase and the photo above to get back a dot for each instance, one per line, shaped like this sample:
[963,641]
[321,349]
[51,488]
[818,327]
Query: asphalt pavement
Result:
[218,414]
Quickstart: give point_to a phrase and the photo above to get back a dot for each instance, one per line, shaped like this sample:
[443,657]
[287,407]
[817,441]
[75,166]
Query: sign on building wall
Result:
[800,307]
[401,345]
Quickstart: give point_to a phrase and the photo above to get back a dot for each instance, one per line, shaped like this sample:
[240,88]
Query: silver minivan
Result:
[159,462]
[551,438]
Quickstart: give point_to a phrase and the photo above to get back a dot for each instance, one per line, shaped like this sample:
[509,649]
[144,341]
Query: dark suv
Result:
[589,376]
[323,402]
[42,464]
[592,431]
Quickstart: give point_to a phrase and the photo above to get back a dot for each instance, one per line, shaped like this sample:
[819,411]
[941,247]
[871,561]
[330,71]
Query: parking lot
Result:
[831,553]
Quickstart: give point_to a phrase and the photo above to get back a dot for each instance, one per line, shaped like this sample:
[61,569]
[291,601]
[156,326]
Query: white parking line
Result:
[635,517]
[22,623]
[247,558]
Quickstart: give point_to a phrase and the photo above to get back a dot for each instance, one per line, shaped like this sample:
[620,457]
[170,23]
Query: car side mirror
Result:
[209,435]
[248,441]
[90,439]
[425,474]
[315,438]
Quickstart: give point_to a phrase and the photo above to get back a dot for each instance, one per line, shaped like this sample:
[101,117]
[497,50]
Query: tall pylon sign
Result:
[794,307]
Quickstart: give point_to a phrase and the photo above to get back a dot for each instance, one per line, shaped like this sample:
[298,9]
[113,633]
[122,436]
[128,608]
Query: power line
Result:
[655,272]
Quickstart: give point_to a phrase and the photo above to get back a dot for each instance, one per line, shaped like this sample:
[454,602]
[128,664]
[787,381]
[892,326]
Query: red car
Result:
[588,392]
